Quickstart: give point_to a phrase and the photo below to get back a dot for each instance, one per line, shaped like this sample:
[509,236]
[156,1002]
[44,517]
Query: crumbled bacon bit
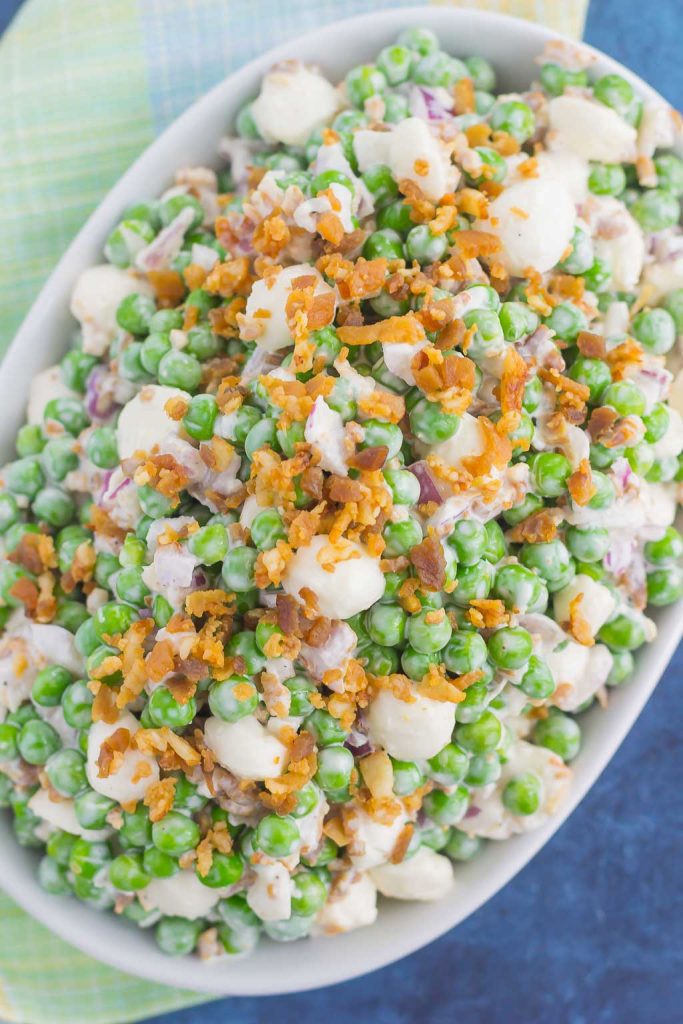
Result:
[496,454]
[229,278]
[487,613]
[160,661]
[402,843]
[395,329]
[343,489]
[512,384]
[287,609]
[430,562]
[112,750]
[369,458]
[580,484]
[538,528]
[591,345]
[159,798]
[579,626]
[209,602]
[363,279]
[472,243]
[36,552]
[168,286]
[624,358]
[104,706]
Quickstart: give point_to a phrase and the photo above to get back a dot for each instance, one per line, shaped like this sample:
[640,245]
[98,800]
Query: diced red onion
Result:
[425,103]
[429,489]
[166,245]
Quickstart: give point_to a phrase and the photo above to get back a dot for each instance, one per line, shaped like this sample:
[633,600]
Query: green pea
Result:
[510,647]
[614,91]
[24,477]
[439,69]
[514,117]
[401,536]
[134,313]
[136,831]
[532,394]
[49,685]
[673,303]
[538,682]
[244,645]
[447,808]
[462,847]
[92,809]
[517,320]
[126,872]
[606,179]
[465,652]
[422,40]
[238,569]
[76,367]
[9,735]
[407,777]
[555,78]
[666,550]
[488,334]
[170,208]
[597,276]
[9,512]
[582,255]
[550,471]
[362,82]
[558,733]
[152,351]
[175,834]
[326,729]
[655,329]
[480,736]
[656,209]
[468,539]
[159,865]
[622,633]
[38,741]
[594,373]
[567,321]
[522,795]
[425,247]
[484,769]
[53,878]
[77,702]
[176,936]
[395,63]
[404,486]
[430,424]
[665,586]
[113,619]
[277,836]
[180,370]
[496,545]
[415,664]
[126,240]
[395,216]
[300,689]
[624,396]
[449,765]
[425,636]
[379,180]
[209,543]
[233,698]
[309,893]
[623,664]
[385,624]
[165,710]
[66,771]
[481,72]
[225,870]
[267,529]
[549,559]
[474,583]
[335,765]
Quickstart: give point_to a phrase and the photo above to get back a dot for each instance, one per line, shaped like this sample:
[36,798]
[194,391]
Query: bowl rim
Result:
[79,925]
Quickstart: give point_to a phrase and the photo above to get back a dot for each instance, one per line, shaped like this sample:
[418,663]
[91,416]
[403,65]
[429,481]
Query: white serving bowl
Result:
[511,45]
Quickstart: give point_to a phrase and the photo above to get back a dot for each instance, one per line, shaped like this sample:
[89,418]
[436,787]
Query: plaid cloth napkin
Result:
[86,85]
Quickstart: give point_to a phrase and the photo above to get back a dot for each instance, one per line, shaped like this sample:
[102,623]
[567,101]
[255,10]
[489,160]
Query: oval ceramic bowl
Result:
[401,928]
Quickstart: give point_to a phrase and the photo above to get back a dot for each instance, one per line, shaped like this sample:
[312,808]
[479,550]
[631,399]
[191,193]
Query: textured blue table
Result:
[592,931]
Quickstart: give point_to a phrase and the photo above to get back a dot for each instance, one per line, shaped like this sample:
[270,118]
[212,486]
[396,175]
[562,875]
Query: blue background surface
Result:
[592,931]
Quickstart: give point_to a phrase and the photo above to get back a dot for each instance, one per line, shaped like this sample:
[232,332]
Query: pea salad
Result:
[351,495]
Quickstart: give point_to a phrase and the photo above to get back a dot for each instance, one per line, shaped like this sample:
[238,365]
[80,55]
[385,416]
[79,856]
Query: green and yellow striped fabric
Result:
[86,85]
